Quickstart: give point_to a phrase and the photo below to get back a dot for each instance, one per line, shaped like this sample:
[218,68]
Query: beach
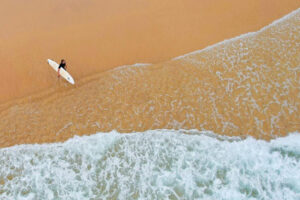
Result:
[95,36]
[244,86]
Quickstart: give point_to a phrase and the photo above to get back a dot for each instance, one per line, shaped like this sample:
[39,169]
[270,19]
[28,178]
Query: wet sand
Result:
[94,36]
[245,86]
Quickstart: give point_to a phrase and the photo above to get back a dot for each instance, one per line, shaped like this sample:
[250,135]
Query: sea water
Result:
[158,164]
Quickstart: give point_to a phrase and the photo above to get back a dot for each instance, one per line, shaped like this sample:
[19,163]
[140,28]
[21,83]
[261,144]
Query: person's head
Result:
[63,61]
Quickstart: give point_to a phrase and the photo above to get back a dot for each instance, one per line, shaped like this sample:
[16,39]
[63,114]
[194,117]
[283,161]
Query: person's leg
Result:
[58,75]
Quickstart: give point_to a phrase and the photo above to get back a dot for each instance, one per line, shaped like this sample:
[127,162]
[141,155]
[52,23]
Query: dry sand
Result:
[245,86]
[94,36]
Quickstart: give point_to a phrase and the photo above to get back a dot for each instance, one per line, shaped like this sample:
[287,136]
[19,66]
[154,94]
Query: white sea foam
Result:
[136,65]
[160,164]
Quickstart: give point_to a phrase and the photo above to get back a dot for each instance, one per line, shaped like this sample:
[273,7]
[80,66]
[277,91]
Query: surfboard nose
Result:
[71,80]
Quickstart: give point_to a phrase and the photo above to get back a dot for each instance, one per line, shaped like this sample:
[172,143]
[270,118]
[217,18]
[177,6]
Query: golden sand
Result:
[94,36]
[249,85]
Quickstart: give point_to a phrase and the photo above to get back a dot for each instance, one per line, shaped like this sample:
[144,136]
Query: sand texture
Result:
[94,36]
[249,85]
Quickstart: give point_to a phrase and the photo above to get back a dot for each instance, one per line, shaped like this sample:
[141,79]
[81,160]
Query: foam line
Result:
[240,36]
[157,164]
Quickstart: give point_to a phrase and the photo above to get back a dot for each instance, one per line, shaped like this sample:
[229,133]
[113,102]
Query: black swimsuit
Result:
[62,65]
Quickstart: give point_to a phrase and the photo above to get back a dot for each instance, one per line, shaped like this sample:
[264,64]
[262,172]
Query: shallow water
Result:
[158,164]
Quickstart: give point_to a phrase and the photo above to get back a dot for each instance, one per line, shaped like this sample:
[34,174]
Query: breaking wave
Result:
[157,164]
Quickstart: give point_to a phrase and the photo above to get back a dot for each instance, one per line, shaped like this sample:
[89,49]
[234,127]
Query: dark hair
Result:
[62,60]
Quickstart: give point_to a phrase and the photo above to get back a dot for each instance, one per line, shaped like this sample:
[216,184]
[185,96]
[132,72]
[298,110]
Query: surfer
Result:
[62,65]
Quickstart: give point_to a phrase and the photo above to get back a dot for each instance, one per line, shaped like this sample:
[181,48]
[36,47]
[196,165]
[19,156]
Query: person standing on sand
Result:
[62,65]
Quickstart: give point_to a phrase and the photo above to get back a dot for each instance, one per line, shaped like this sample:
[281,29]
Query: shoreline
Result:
[48,91]
[108,35]
[227,88]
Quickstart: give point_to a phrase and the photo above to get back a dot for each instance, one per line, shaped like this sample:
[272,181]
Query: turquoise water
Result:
[159,164]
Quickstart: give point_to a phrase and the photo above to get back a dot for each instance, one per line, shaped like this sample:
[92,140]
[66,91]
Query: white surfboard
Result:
[62,72]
